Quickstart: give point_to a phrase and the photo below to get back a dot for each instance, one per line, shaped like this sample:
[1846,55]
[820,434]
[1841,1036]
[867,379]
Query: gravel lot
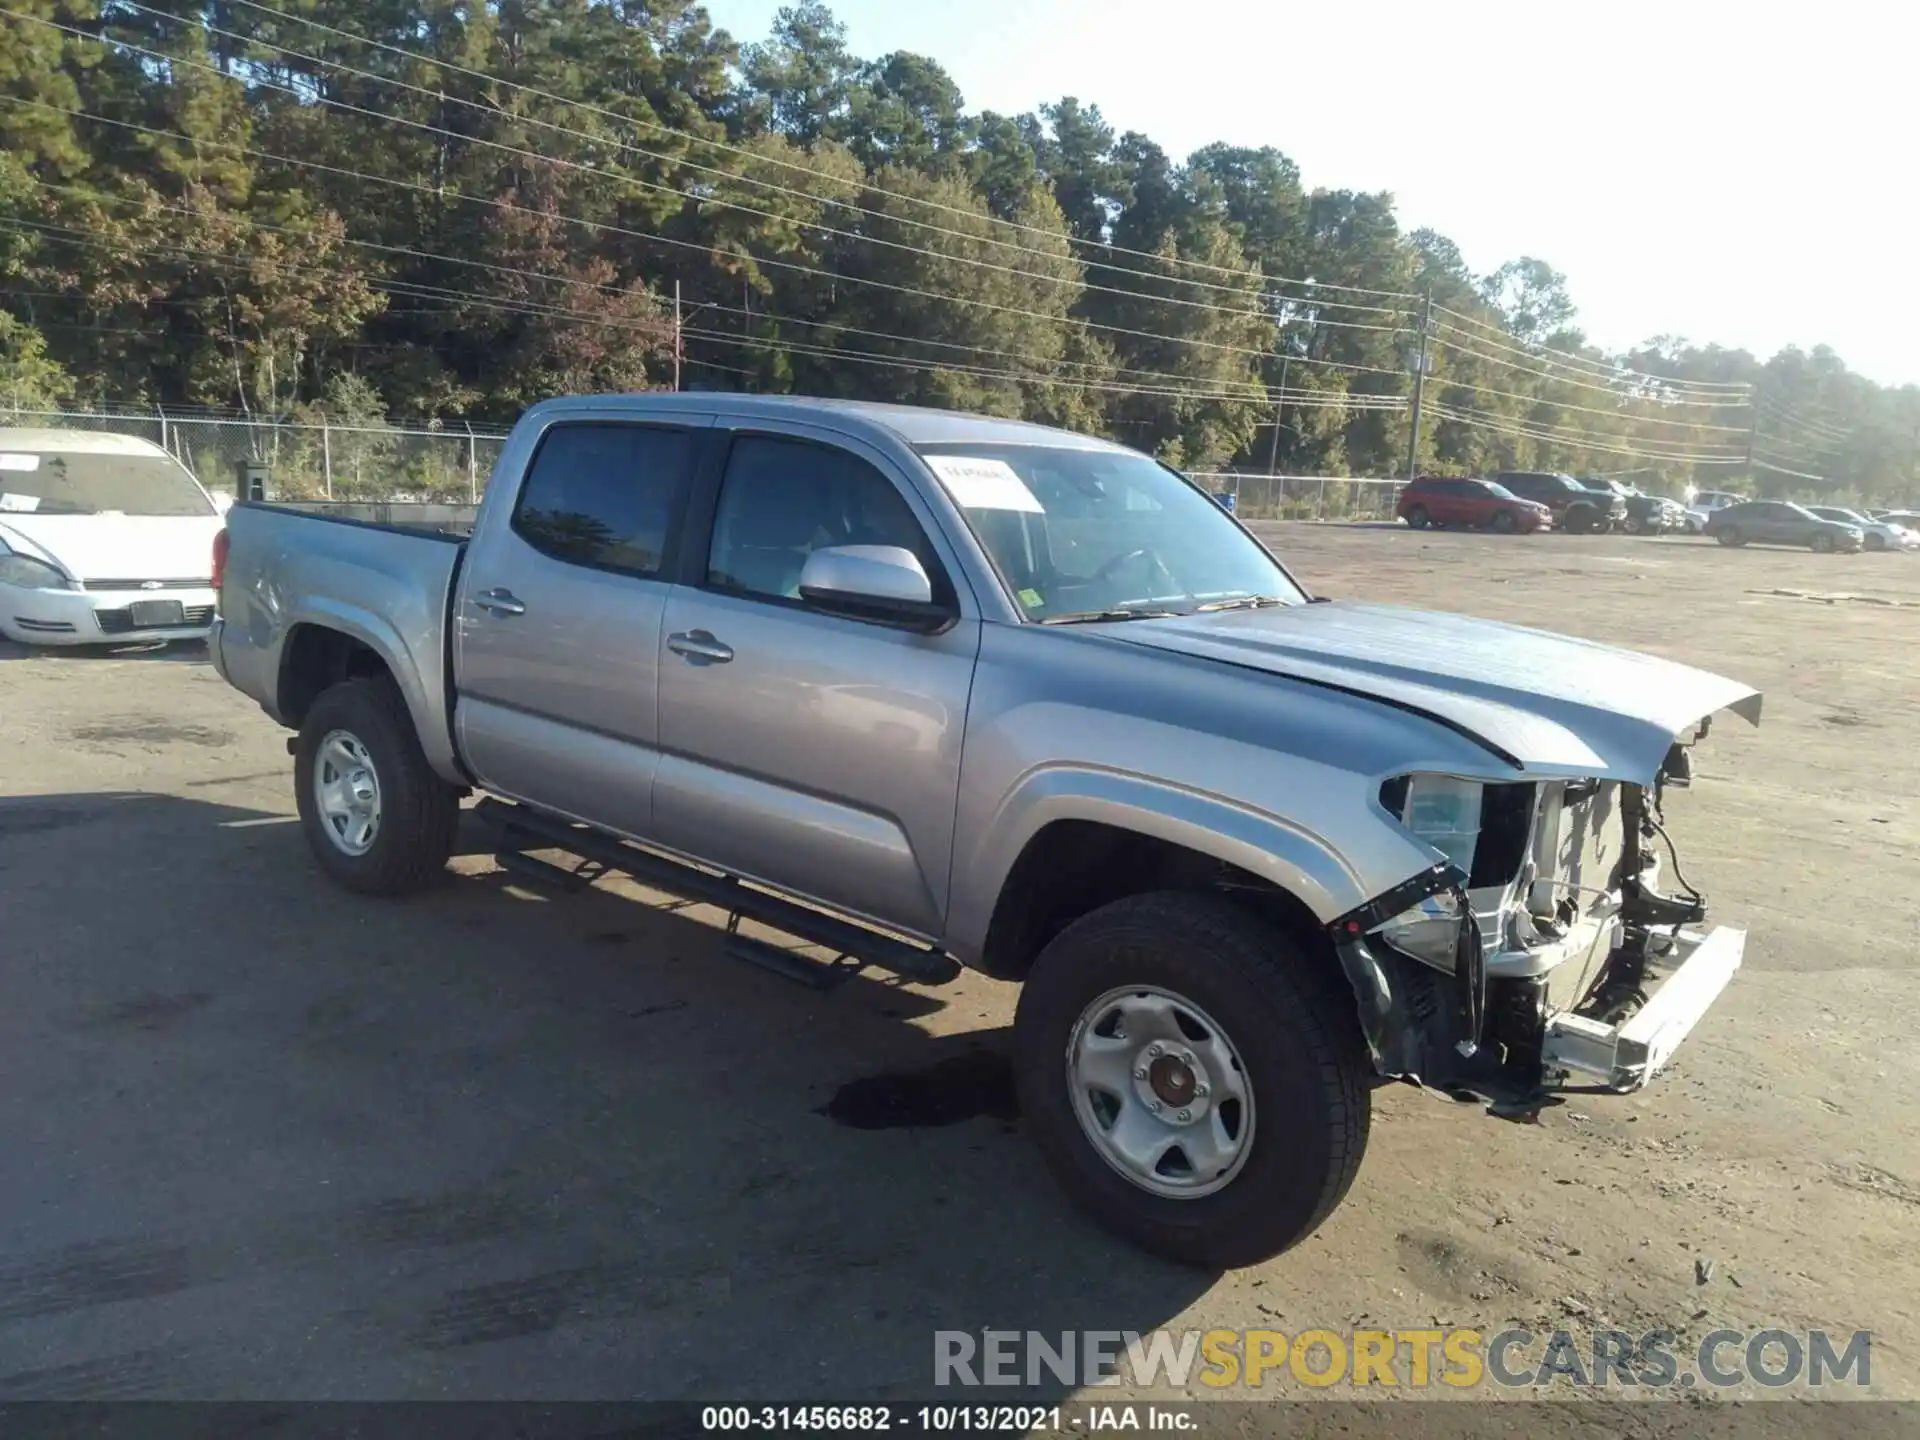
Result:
[262,1139]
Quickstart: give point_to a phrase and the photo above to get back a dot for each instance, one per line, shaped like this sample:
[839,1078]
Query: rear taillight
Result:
[219,557]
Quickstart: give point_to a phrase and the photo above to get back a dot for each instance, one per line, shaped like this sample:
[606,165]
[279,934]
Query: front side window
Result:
[1092,533]
[604,494]
[783,499]
[51,482]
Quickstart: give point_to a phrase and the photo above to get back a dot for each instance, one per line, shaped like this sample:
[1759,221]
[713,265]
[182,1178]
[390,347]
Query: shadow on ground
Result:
[261,1138]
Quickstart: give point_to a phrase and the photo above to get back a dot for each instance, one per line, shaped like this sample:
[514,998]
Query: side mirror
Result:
[884,583]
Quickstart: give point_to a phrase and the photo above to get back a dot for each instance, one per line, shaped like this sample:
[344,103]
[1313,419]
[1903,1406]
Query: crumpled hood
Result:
[117,547]
[1546,704]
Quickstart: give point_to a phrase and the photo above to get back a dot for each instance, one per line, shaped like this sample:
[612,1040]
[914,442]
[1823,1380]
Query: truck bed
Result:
[388,586]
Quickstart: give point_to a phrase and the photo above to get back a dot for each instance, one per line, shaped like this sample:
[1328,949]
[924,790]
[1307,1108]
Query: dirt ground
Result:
[262,1139]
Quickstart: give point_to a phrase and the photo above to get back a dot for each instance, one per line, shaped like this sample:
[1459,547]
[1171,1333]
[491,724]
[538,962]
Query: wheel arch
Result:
[322,650]
[1078,841]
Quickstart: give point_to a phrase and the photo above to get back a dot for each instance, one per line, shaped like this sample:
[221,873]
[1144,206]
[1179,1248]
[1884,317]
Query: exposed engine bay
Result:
[1540,956]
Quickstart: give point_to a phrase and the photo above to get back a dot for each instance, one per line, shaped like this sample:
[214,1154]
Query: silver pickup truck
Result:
[930,691]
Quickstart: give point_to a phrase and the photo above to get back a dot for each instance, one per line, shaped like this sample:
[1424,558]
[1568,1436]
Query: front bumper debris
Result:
[1624,1057]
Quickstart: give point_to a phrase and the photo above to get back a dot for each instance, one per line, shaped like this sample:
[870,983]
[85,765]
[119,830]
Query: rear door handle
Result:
[698,646]
[500,602]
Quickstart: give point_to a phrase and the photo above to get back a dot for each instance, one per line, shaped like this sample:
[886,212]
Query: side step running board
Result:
[523,829]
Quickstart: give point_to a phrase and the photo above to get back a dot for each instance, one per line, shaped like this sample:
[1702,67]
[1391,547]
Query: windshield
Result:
[1499,492]
[1840,513]
[1083,532]
[49,482]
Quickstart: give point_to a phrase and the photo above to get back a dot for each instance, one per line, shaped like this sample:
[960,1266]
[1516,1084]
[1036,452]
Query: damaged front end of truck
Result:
[1554,947]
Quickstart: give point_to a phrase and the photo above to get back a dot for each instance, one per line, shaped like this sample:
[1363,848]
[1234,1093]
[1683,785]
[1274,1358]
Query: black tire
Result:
[1578,522]
[1417,517]
[1730,536]
[1876,542]
[1821,544]
[1502,521]
[1634,525]
[1292,1022]
[419,812]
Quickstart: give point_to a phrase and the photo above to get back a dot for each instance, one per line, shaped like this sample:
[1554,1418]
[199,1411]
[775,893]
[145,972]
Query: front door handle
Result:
[699,646]
[500,602]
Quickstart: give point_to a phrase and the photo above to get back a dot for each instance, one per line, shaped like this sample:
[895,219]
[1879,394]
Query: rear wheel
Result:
[377,818]
[1634,525]
[1194,1078]
[1731,536]
[1418,517]
[1876,542]
[1502,520]
[1822,544]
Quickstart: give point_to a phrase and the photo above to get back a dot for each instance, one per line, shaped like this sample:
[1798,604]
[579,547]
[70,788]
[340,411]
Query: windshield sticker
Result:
[15,461]
[1031,599]
[18,504]
[983,484]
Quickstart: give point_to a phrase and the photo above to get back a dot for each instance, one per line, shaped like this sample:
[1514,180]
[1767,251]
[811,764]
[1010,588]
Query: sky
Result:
[1743,174]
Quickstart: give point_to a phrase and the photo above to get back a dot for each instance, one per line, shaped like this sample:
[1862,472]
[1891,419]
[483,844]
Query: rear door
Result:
[557,626]
[812,752]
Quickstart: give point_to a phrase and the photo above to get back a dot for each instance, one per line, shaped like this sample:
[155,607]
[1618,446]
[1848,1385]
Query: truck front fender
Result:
[1217,826]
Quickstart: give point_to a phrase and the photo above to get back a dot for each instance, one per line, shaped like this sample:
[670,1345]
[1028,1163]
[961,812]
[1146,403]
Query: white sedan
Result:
[104,539]
[1880,534]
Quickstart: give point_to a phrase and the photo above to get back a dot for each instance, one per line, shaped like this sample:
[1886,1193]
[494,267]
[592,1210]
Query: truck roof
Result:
[914,424]
[75,442]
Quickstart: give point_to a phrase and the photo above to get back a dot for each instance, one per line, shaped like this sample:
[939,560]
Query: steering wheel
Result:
[1146,552]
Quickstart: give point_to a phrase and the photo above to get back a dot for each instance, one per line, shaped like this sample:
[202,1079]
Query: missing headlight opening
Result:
[1541,929]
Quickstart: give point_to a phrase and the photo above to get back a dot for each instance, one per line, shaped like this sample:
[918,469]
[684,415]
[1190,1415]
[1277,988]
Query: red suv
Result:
[1440,500]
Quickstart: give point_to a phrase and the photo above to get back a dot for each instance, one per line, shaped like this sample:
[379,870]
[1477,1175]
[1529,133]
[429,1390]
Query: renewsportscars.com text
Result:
[1459,1358]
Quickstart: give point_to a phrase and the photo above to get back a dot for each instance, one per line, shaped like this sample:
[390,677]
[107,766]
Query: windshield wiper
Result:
[1243,602]
[1089,617]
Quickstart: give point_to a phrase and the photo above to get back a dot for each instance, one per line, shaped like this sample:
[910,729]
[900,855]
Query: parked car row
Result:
[1528,500]
[1523,501]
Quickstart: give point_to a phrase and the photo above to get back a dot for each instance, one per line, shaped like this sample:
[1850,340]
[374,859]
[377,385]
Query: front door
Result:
[558,622]
[807,751]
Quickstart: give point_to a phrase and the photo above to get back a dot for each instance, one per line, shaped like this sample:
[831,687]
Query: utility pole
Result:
[1753,430]
[1421,363]
[1279,410]
[678,342]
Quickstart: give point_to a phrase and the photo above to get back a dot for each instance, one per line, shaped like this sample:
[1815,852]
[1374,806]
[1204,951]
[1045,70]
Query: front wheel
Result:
[376,817]
[1194,1077]
[1876,542]
[1822,545]
[1635,525]
[1503,521]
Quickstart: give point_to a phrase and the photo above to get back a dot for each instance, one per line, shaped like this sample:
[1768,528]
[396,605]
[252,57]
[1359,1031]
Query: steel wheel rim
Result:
[1160,1092]
[346,792]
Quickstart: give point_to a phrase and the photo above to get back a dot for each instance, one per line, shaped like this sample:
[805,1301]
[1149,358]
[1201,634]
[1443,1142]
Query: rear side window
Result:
[605,495]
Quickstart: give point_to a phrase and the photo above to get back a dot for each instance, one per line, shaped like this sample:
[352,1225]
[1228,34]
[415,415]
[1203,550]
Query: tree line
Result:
[444,209]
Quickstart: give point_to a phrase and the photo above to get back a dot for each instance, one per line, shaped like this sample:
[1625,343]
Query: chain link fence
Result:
[320,459]
[1303,497]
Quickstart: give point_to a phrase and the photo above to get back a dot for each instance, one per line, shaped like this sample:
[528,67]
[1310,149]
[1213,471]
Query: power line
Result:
[1604,367]
[1581,382]
[1760,464]
[1583,409]
[1247,390]
[1253,313]
[441,193]
[676,160]
[757,158]
[450,297]
[1578,438]
[1252,391]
